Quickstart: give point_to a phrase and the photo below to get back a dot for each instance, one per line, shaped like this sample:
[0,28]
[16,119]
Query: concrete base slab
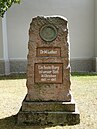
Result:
[48,106]
[48,118]
[48,113]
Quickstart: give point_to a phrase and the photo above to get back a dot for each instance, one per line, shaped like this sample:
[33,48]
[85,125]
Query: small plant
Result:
[5,4]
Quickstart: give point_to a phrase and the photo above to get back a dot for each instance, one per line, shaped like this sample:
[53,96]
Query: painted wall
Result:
[1,40]
[96,28]
[80,14]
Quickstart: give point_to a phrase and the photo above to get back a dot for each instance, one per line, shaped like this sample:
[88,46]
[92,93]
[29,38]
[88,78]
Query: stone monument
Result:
[49,100]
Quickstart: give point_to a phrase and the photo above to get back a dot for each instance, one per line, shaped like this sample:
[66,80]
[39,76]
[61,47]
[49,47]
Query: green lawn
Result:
[13,90]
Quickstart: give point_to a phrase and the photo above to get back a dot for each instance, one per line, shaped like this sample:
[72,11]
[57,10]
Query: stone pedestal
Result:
[48,113]
[49,100]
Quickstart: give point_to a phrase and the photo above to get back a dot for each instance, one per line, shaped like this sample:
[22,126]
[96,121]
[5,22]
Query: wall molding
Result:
[2,67]
[5,46]
[82,64]
[77,65]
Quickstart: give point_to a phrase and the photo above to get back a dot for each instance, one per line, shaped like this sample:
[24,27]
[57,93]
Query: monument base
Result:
[48,113]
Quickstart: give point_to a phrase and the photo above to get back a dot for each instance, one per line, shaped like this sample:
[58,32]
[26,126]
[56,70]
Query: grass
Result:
[13,91]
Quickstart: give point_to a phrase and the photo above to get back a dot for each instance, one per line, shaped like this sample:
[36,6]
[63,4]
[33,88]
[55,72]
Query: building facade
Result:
[82,20]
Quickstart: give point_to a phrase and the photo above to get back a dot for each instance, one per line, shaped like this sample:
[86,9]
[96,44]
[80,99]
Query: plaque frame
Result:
[48,32]
[58,49]
[58,63]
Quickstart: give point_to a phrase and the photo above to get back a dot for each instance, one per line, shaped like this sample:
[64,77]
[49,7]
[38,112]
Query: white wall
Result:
[96,28]
[80,14]
[82,28]
[1,40]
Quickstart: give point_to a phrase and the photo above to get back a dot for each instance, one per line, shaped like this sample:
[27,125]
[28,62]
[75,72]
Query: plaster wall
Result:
[80,14]
[96,29]
[1,40]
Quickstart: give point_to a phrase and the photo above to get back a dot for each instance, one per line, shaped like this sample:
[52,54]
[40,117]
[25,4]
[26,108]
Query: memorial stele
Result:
[48,100]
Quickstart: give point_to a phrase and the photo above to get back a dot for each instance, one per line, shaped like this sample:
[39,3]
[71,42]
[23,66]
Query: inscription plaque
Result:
[48,73]
[49,51]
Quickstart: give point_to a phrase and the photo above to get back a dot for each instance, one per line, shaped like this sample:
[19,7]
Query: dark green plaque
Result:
[48,32]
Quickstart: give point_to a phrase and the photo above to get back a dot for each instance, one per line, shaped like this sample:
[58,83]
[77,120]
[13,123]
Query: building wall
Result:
[80,14]
[96,35]
[1,50]
[1,41]
[96,28]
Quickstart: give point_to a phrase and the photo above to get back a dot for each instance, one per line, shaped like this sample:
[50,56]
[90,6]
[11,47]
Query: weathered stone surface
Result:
[48,91]
[48,106]
[49,100]
[48,118]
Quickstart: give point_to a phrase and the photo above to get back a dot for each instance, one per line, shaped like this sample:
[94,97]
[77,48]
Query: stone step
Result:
[48,106]
[48,118]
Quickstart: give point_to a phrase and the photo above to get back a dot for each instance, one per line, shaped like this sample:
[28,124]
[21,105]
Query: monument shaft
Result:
[48,74]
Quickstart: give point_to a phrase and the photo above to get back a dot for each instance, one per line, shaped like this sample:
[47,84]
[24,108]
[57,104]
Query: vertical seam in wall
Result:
[95,27]
[5,46]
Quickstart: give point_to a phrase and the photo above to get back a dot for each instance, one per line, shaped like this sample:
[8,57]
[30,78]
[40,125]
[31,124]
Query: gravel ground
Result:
[13,91]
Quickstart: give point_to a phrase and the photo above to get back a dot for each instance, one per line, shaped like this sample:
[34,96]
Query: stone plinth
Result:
[49,99]
[48,113]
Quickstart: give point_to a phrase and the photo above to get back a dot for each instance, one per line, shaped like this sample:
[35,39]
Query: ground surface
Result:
[13,91]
